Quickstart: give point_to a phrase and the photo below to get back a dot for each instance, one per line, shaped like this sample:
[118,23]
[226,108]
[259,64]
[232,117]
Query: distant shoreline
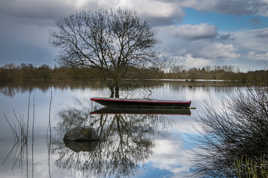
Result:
[29,73]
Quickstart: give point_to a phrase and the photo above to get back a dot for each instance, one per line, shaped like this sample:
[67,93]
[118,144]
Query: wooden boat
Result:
[141,103]
[132,110]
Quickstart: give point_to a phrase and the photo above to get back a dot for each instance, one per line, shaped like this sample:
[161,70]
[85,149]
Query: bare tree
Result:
[109,40]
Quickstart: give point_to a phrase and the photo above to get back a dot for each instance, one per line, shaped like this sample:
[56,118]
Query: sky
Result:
[191,33]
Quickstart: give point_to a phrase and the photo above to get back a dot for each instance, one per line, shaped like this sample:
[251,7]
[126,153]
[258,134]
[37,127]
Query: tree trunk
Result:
[112,91]
[116,89]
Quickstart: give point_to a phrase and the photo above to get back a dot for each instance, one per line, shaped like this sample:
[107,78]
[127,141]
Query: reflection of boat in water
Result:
[131,110]
[141,103]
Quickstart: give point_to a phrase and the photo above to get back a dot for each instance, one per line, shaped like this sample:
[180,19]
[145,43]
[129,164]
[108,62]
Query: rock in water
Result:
[79,134]
[82,146]
[81,139]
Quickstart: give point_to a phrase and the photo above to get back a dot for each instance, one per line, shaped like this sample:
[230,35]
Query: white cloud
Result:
[258,56]
[246,49]
[190,61]
[196,31]
[172,156]
[236,7]
[168,154]
[199,4]
[151,7]
[219,50]
[196,45]
[253,40]
[52,10]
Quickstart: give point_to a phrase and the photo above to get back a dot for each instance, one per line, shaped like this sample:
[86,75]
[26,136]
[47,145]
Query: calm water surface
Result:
[132,145]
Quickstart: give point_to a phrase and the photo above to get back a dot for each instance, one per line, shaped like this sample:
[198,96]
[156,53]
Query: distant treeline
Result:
[259,77]
[27,72]
[11,73]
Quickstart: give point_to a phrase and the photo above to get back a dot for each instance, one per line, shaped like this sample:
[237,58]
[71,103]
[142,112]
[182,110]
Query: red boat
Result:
[142,103]
[132,110]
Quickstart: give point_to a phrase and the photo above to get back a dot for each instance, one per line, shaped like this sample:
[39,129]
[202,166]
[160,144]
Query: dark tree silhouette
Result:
[236,143]
[108,40]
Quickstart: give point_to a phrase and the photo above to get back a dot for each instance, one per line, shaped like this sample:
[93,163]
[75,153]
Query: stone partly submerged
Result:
[81,139]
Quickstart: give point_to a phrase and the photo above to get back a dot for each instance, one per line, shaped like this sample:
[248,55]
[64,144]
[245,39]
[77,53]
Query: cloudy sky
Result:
[193,33]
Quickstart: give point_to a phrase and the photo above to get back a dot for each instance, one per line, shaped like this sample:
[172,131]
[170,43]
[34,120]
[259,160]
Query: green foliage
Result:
[249,168]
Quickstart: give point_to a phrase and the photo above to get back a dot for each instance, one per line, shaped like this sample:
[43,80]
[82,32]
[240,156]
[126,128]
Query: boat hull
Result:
[142,103]
[132,110]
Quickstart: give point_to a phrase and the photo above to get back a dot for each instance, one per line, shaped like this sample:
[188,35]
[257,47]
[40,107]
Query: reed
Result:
[18,127]
[23,136]
[237,135]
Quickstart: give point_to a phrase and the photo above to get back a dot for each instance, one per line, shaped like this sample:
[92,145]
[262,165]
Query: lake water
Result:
[132,145]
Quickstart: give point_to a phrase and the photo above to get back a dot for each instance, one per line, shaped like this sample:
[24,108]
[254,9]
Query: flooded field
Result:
[34,120]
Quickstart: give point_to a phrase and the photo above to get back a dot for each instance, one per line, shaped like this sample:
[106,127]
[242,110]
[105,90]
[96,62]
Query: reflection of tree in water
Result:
[15,88]
[124,142]
[8,91]
[201,86]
